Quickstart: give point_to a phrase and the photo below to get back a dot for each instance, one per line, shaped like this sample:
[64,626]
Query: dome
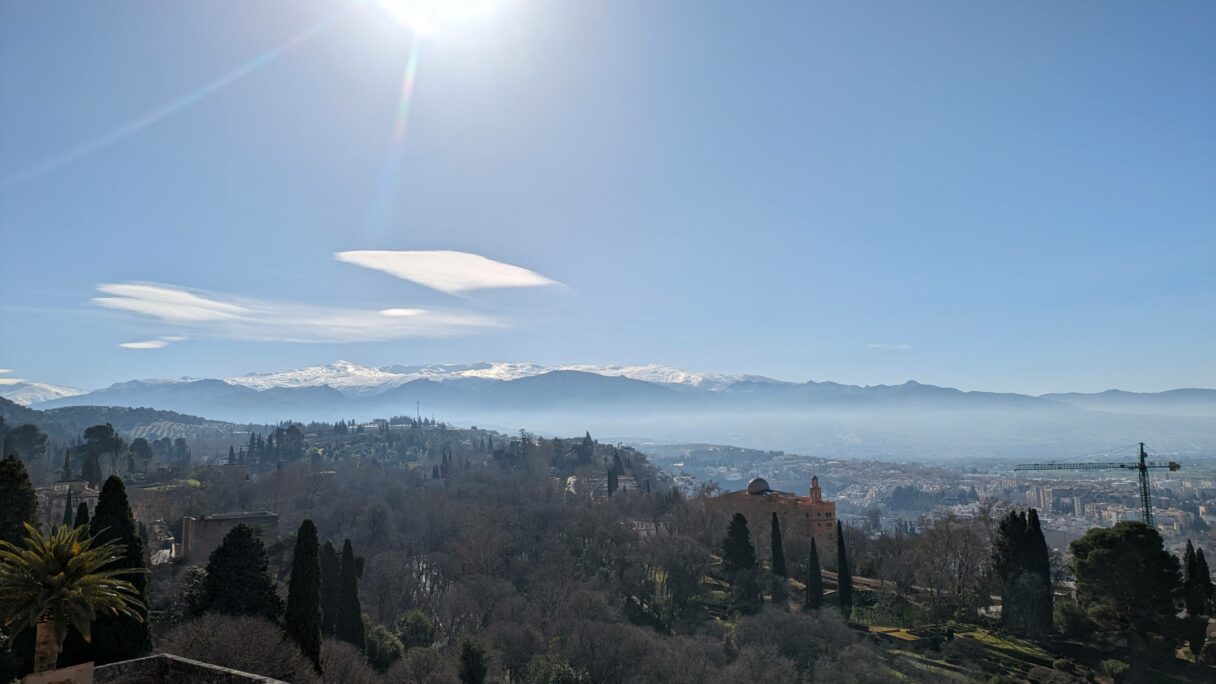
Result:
[758,485]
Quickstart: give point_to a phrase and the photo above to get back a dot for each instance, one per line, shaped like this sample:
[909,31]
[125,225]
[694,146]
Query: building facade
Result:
[810,515]
[201,536]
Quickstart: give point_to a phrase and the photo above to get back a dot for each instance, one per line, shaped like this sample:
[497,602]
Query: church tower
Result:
[816,492]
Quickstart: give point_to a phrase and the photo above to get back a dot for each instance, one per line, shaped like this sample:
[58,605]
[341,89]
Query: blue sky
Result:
[1003,196]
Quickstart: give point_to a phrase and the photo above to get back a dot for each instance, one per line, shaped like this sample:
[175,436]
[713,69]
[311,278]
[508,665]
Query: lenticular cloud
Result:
[449,272]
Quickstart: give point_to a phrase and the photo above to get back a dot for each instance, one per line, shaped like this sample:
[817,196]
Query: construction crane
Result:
[1146,496]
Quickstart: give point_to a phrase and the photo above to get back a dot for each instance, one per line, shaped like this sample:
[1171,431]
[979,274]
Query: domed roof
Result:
[758,485]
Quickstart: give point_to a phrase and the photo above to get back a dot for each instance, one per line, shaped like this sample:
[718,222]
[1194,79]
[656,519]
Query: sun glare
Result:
[435,16]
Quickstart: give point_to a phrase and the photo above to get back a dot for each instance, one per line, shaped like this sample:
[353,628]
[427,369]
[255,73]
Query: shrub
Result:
[342,663]
[422,666]
[1113,668]
[242,642]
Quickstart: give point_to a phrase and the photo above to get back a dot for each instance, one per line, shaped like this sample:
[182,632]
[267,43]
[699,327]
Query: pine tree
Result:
[737,550]
[814,580]
[120,637]
[349,624]
[82,515]
[303,617]
[18,500]
[67,508]
[238,582]
[231,455]
[331,573]
[778,548]
[472,663]
[844,578]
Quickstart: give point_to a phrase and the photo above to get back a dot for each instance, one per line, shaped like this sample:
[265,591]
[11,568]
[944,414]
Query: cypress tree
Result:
[1204,576]
[67,465]
[1191,590]
[778,548]
[238,582]
[737,550]
[844,578]
[18,501]
[82,515]
[331,573]
[67,508]
[1039,560]
[118,637]
[814,580]
[303,616]
[349,624]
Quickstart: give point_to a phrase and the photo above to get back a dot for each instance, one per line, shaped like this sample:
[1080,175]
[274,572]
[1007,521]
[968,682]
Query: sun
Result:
[434,16]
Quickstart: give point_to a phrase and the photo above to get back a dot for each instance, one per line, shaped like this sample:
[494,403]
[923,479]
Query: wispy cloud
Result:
[449,272]
[204,314]
[5,370]
[878,345]
[147,344]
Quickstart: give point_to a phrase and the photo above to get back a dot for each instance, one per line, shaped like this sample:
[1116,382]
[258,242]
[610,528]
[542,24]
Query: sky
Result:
[997,196]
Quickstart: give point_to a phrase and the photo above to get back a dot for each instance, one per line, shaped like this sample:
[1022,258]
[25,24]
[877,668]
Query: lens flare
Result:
[435,16]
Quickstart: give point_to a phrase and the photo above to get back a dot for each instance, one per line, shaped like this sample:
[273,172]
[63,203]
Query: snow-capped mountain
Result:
[27,393]
[357,380]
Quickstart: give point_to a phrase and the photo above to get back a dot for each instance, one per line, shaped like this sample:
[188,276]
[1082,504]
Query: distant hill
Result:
[1179,402]
[69,422]
[910,420]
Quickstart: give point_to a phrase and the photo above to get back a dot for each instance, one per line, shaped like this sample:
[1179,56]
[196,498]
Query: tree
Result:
[778,547]
[18,501]
[238,582]
[66,475]
[103,439]
[472,663]
[67,508]
[1021,561]
[27,442]
[82,515]
[303,617]
[231,455]
[61,580]
[414,629]
[1126,581]
[331,574]
[844,578]
[737,550]
[383,647]
[120,637]
[814,580]
[1204,578]
[612,481]
[349,623]
[90,468]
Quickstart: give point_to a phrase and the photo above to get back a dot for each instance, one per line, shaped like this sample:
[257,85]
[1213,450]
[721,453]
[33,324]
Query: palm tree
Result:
[60,580]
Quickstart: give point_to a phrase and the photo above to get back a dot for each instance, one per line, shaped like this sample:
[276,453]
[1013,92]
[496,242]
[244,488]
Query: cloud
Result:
[876,345]
[450,272]
[241,318]
[149,344]
[5,370]
[11,381]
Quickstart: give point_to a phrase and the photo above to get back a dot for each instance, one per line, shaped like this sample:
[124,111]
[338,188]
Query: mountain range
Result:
[911,419]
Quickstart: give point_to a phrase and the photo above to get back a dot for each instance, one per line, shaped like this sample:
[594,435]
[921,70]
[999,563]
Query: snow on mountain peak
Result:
[30,393]
[353,378]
